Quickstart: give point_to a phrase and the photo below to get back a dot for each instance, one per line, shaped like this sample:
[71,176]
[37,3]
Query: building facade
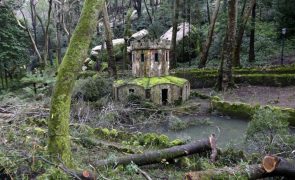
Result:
[150,68]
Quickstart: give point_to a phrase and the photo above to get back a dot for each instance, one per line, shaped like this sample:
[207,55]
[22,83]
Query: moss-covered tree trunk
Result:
[58,124]
[229,49]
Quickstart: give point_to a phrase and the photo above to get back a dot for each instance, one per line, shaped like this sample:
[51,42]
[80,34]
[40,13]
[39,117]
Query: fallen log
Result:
[247,172]
[278,166]
[159,156]
[271,166]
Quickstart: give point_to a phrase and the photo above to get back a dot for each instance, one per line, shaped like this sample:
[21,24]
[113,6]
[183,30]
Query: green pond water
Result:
[227,130]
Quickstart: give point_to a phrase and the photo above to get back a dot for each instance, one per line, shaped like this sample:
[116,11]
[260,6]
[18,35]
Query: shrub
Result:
[134,99]
[92,88]
[268,131]
[177,124]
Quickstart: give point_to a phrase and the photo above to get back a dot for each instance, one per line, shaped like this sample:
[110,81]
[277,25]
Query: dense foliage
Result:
[13,46]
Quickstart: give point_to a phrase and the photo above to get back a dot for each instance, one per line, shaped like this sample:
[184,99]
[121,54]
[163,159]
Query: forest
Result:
[147,89]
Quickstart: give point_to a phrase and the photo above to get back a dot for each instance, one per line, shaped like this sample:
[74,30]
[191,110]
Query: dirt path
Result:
[275,96]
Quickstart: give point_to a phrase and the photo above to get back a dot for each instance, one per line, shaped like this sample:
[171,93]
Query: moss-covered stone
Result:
[246,111]
[268,77]
[240,110]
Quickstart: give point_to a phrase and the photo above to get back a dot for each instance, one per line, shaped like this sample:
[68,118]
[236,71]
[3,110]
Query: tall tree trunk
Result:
[148,12]
[58,124]
[198,26]
[127,34]
[26,27]
[58,33]
[46,34]
[33,19]
[5,76]
[174,33]
[229,49]
[1,76]
[208,12]
[239,39]
[252,35]
[137,6]
[183,29]
[219,84]
[207,45]
[109,43]
[189,33]
[50,52]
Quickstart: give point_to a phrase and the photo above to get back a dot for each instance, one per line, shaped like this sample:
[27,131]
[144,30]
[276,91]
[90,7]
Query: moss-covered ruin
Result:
[150,64]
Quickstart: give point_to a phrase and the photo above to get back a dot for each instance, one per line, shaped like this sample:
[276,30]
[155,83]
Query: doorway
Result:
[164,96]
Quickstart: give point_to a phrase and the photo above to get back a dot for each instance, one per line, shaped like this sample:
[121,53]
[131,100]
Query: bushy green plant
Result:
[268,131]
[92,88]
[134,99]
[177,124]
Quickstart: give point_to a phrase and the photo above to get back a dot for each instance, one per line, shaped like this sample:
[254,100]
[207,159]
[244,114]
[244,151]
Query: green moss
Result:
[201,96]
[148,82]
[269,77]
[136,139]
[58,124]
[176,142]
[239,71]
[246,111]
[86,74]
[240,110]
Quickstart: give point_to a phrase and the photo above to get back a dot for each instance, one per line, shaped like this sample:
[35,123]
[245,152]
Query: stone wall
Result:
[175,93]
[150,67]
[186,91]
[121,93]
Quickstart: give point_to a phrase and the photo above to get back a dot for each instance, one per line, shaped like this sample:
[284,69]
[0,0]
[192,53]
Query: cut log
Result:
[246,172]
[158,156]
[271,166]
[278,166]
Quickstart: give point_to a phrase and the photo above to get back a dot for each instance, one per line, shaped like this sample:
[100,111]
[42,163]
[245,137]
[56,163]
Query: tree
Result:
[174,33]
[229,45]
[58,124]
[109,43]
[46,33]
[208,42]
[13,44]
[239,38]
[137,6]
[252,36]
[285,15]
[127,35]
[268,132]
